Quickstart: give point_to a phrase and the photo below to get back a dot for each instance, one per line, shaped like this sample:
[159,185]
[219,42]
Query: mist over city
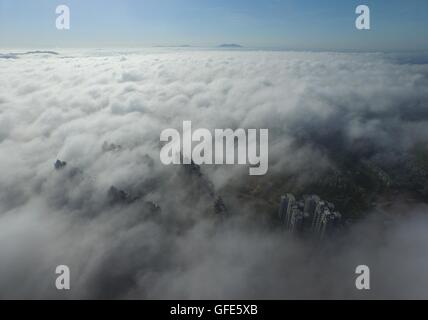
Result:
[83,184]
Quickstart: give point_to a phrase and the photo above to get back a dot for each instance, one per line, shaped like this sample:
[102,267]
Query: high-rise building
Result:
[285,207]
[325,218]
[312,215]
[316,218]
[310,204]
[328,222]
[296,219]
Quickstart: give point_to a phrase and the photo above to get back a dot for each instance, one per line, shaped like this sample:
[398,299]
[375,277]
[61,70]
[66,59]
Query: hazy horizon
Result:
[288,24]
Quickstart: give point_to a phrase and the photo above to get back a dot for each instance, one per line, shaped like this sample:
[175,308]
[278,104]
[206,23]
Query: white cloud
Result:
[66,106]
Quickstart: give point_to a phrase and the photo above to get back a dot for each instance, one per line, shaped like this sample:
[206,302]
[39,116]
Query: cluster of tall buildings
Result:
[311,214]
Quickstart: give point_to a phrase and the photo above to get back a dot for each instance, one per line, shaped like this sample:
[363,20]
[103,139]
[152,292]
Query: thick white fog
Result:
[102,113]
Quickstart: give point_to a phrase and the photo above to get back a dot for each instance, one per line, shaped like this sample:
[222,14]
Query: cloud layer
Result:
[103,112]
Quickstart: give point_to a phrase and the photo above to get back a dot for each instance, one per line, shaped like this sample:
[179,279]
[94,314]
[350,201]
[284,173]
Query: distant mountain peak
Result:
[230,45]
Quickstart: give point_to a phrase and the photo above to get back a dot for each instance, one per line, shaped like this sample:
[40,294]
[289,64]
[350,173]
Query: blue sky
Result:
[397,25]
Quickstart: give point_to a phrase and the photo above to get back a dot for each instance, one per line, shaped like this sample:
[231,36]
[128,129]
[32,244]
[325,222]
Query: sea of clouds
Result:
[68,105]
